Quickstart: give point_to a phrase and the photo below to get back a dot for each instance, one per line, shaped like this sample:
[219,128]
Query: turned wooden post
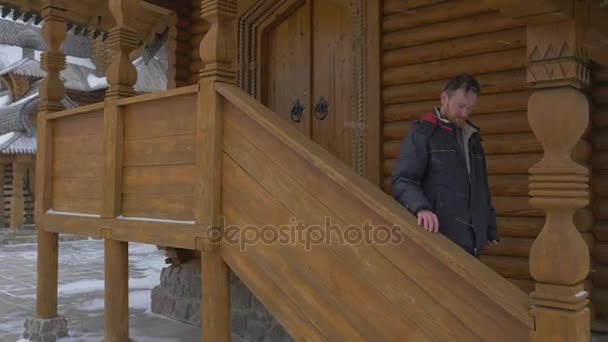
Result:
[17,198]
[121,76]
[218,53]
[51,94]
[558,113]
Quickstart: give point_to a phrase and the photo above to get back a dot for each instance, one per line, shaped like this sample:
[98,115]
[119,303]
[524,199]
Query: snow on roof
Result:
[19,143]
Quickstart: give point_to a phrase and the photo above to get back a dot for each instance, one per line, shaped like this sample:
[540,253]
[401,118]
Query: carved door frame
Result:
[366,111]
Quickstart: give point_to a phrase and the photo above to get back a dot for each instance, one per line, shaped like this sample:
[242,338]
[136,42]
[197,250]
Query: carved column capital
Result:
[54,32]
[218,46]
[122,40]
[557,55]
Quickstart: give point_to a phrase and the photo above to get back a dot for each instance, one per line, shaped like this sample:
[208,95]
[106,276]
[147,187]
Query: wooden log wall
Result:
[425,42]
[599,118]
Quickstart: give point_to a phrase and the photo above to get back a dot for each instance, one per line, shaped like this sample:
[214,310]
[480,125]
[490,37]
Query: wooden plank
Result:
[77,187]
[272,295]
[458,47]
[76,204]
[174,150]
[303,285]
[432,14]
[116,280]
[488,284]
[66,147]
[600,161]
[153,119]
[305,206]
[600,140]
[71,224]
[600,207]
[170,234]
[493,21]
[525,285]
[600,274]
[443,69]
[600,183]
[510,246]
[493,103]
[397,6]
[519,226]
[164,179]
[167,206]
[509,267]
[85,166]
[600,252]
[491,83]
[89,124]
[113,136]
[86,109]
[157,96]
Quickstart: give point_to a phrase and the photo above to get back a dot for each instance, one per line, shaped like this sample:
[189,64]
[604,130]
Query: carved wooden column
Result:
[51,94]
[558,113]
[17,198]
[121,76]
[218,53]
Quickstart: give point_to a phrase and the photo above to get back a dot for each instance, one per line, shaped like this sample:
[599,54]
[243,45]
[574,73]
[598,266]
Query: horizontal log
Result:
[600,252]
[182,74]
[600,161]
[496,123]
[496,82]
[525,285]
[600,300]
[472,25]
[443,69]
[599,275]
[511,143]
[600,73]
[600,207]
[183,35]
[508,185]
[431,14]
[599,117]
[600,140]
[600,230]
[199,27]
[183,48]
[523,227]
[509,246]
[493,103]
[509,267]
[396,6]
[600,183]
[512,163]
[458,47]
[515,206]
[182,61]
[599,94]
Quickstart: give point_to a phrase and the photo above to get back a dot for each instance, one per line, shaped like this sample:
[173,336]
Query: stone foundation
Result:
[45,330]
[179,296]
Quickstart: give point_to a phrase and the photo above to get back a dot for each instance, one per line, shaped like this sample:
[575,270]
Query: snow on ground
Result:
[81,297]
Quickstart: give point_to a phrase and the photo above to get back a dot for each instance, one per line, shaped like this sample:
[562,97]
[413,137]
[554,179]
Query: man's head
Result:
[458,98]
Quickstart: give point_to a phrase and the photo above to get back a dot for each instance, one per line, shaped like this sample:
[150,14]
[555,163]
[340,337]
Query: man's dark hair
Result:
[462,81]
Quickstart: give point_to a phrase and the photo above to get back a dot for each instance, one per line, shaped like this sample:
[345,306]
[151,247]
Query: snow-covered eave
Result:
[13,66]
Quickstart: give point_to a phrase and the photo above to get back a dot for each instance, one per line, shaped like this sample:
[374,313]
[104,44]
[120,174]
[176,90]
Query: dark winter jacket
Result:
[431,173]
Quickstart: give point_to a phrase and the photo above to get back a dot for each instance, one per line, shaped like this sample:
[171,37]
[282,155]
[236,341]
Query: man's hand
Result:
[493,242]
[428,220]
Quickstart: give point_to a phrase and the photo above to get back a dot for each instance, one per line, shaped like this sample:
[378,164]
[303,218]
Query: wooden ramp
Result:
[329,254]
[398,283]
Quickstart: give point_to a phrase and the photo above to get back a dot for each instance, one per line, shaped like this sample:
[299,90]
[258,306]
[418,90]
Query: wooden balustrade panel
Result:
[272,187]
[77,155]
[158,158]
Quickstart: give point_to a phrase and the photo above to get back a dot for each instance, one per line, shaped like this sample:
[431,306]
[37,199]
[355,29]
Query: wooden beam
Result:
[218,53]
[17,198]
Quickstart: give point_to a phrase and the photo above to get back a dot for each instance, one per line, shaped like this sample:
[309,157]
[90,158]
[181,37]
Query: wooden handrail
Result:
[501,291]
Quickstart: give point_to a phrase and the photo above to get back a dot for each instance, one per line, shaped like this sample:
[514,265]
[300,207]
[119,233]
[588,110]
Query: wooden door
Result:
[307,72]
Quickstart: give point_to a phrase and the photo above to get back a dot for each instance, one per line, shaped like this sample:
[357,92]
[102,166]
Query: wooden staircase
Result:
[416,287]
